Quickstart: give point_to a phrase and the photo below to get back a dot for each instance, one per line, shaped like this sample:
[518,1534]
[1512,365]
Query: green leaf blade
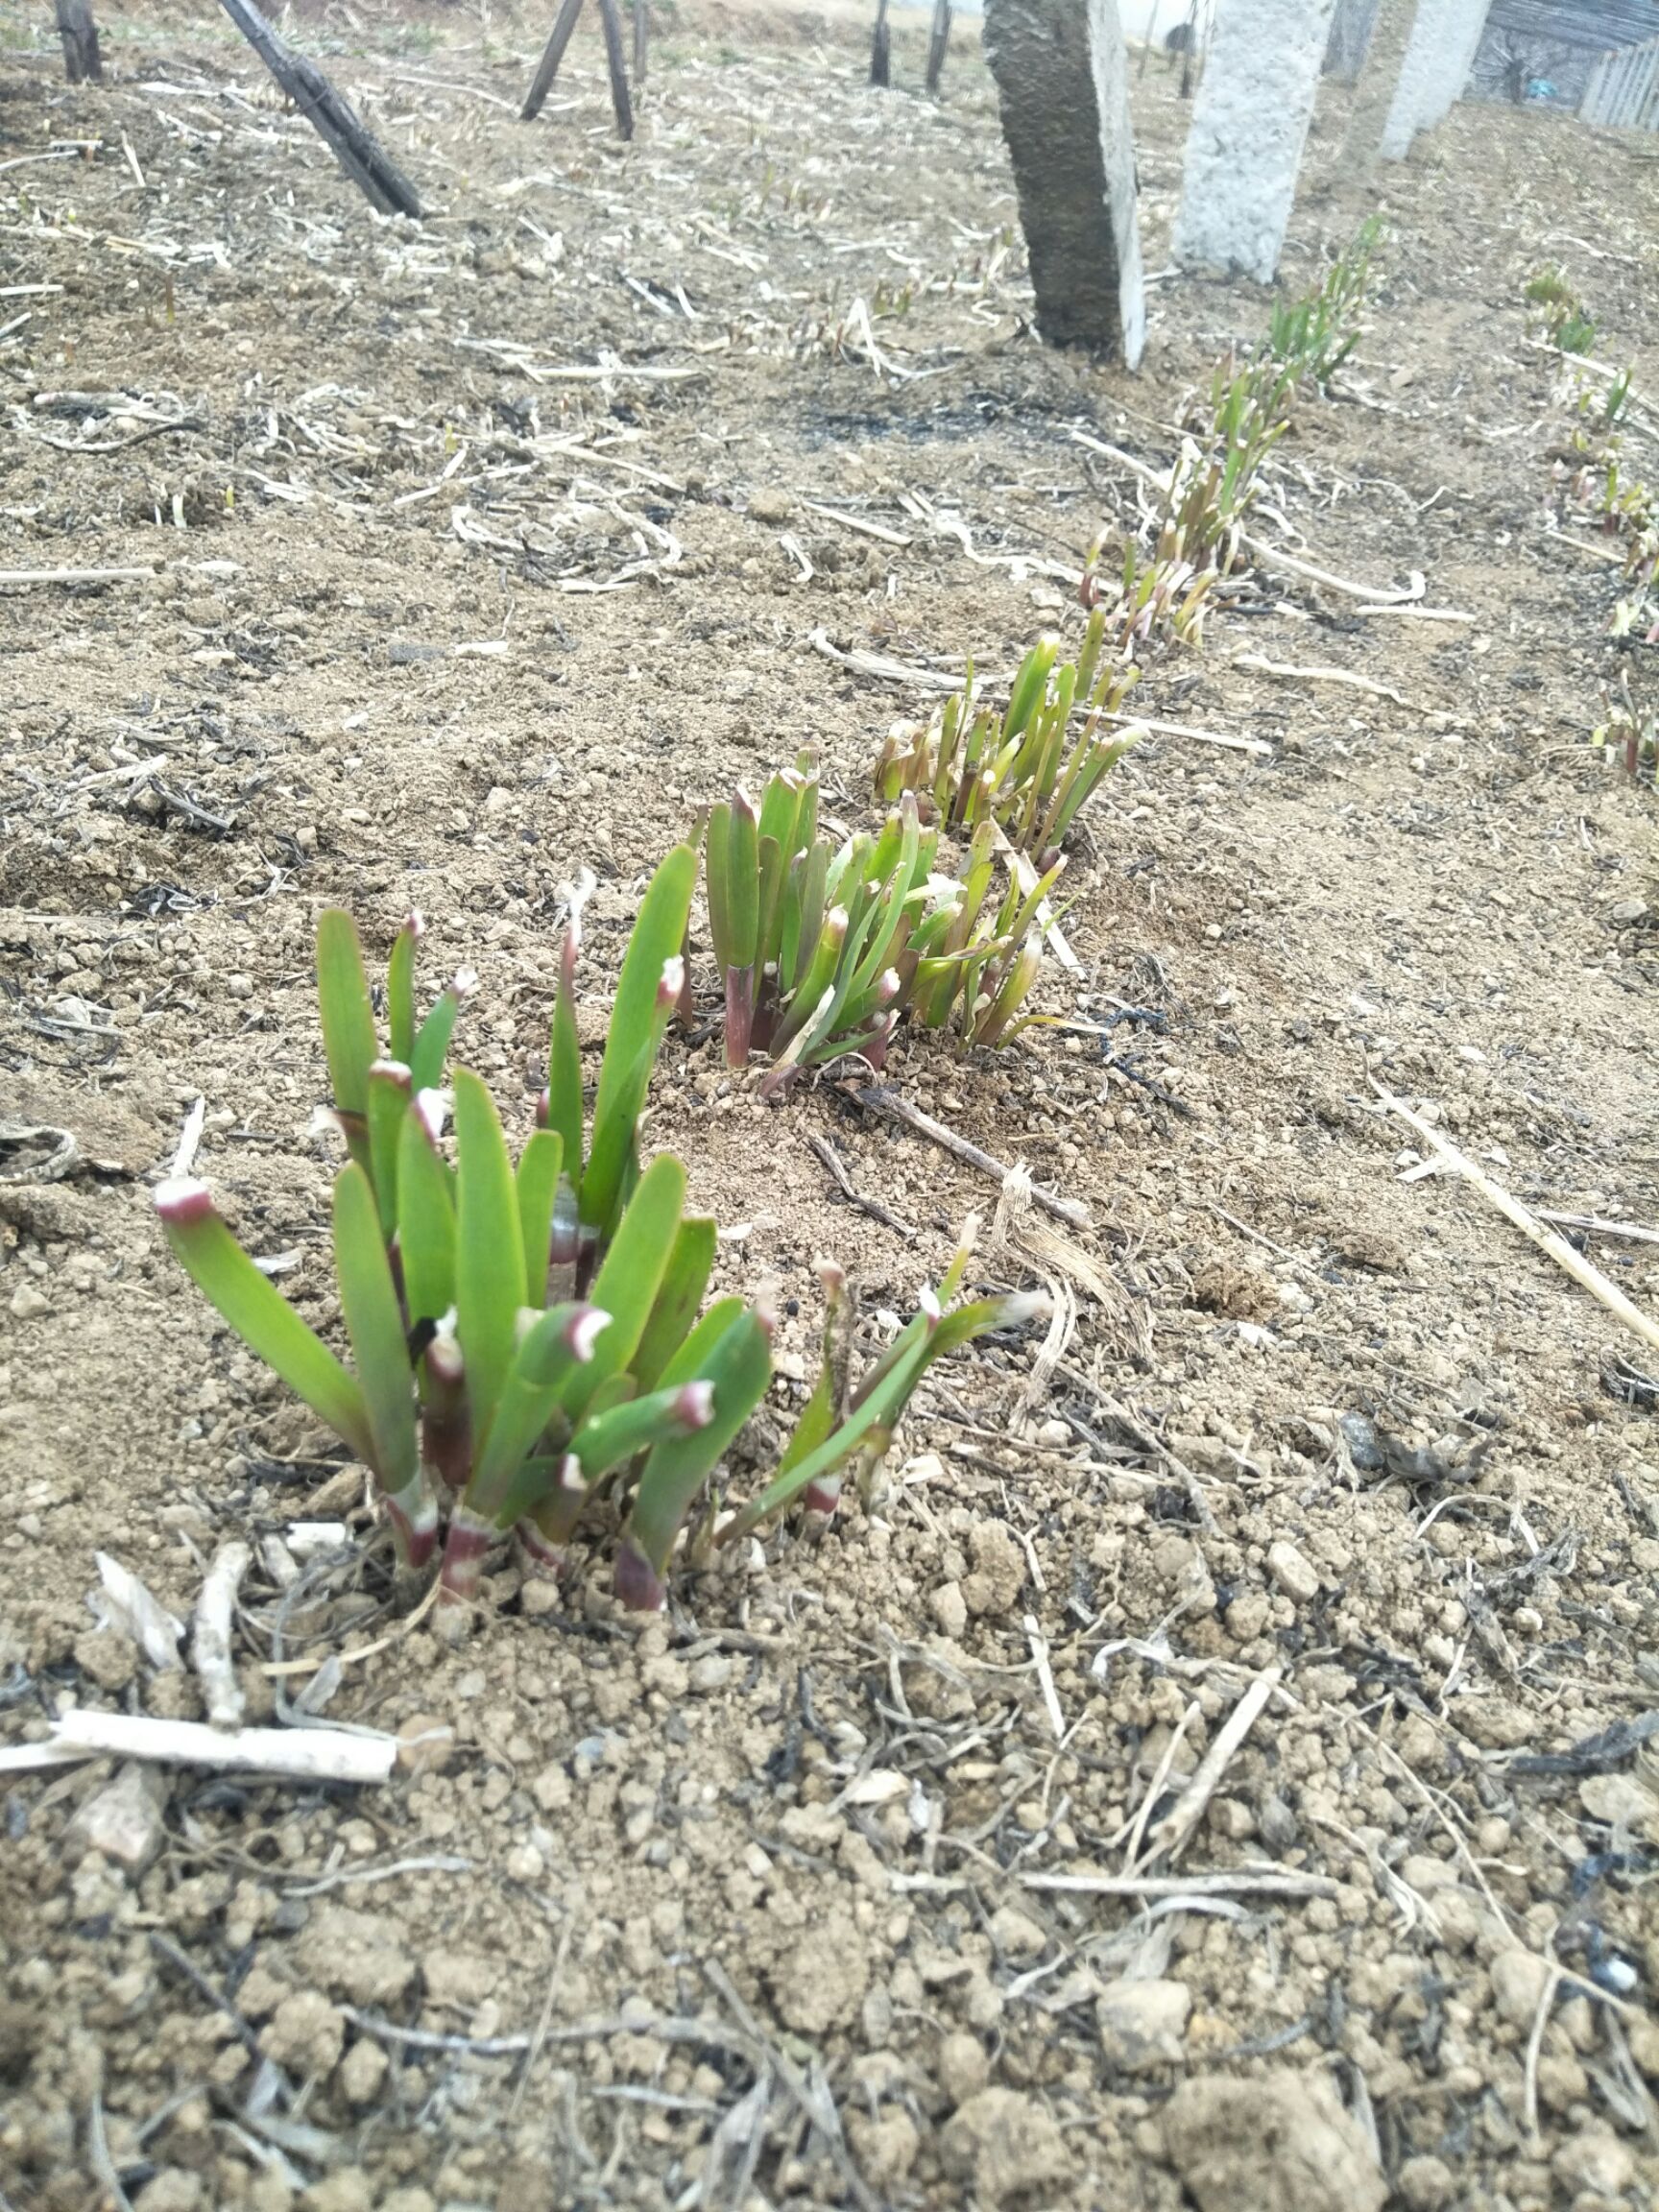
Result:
[252,1306]
[425,1223]
[348,1039]
[400,990]
[632,1273]
[684,1279]
[739,1368]
[537,1185]
[375,1324]
[631,1044]
[490,1286]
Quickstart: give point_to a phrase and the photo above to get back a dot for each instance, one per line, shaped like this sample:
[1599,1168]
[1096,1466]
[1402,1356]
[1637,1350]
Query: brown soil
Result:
[763,1881]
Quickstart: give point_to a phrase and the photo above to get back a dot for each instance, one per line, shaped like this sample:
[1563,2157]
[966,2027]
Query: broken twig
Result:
[1236,1882]
[878,1100]
[210,1646]
[1170,1836]
[295,1754]
[1584,1272]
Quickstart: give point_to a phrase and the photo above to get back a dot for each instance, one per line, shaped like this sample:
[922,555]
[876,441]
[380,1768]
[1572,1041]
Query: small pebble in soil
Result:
[1007,2143]
[1143,2024]
[962,2067]
[425,1744]
[1595,2162]
[305,2034]
[1517,1983]
[1424,2185]
[1292,1574]
[125,1821]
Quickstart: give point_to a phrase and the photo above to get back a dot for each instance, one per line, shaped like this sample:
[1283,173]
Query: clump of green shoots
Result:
[1567,325]
[1625,508]
[1629,733]
[822,947]
[525,1337]
[988,961]
[1024,769]
[1315,334]
[495,1312]
[846,1420]
[1197,522]
[1215,479]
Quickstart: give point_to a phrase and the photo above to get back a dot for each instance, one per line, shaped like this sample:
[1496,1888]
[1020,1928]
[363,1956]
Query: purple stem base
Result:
[469,1540]
[636,1582]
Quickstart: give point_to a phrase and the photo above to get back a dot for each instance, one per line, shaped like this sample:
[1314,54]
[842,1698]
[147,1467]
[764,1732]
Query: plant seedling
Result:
[844,1421]
[1022,770]
[413,1058]
[818,945]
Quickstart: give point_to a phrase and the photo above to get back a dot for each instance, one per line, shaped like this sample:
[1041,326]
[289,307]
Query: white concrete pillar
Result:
[1414,87]
[1465,21]
[1438,57]
[1350,39]
[1249,125]
[1063,84]
[1374,94]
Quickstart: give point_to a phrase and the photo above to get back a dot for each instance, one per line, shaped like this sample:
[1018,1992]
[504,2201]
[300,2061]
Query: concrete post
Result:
[1439,55]
[1063,83]
[1374,95]
[1249,125]
[1456,32]
[1350,39]
[1414,87]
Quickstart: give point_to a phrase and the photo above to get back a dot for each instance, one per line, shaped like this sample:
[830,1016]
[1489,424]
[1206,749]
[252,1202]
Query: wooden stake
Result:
[938,42]
[641,40]
[82,60]
[881,48]
[610,16]
[375,173]
[552,54]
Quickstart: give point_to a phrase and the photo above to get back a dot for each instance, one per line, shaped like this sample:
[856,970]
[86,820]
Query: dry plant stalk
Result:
[1583,1272]
[1171,1835]
[210,1644]
[295,1754]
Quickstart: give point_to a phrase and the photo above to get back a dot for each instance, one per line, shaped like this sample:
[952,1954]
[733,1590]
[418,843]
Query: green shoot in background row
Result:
[822,948]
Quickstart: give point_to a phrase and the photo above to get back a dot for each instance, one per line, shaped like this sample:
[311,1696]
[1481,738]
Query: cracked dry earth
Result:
[784,1898]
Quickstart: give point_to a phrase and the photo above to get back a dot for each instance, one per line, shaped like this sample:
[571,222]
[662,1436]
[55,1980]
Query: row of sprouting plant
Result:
[1592,481]
[1192,534]
[529,1340]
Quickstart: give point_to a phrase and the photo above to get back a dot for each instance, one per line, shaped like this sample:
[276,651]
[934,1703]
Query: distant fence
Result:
[1623,88]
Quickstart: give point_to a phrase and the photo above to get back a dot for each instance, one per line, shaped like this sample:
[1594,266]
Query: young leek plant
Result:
[758,884]
[846,1422]
[818,945]
[472,1399]
[598,1168]
[483,1387]
[1024,770]
[986,965]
